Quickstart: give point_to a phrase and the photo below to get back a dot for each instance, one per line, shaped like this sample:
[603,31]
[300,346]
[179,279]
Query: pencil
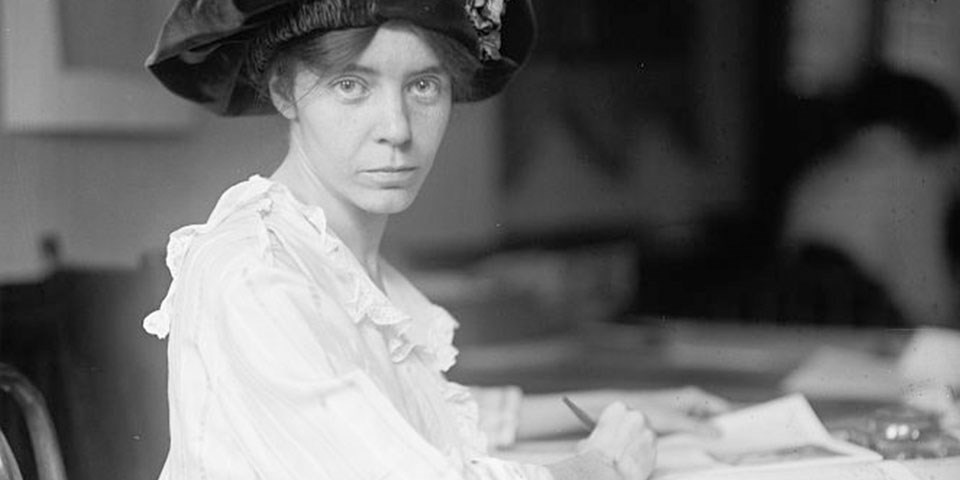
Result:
[581,415]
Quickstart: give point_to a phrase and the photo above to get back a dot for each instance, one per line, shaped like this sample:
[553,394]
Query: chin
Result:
[390,202]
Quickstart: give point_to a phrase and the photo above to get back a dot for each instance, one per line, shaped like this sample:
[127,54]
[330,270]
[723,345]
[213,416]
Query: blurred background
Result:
[775,162]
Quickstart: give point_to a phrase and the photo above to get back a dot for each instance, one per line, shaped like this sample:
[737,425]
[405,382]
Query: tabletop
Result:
[743,362]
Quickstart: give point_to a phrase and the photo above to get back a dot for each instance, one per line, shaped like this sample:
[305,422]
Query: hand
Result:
[676,410]
[623,439]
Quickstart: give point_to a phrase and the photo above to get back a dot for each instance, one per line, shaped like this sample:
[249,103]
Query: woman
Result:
[295,350]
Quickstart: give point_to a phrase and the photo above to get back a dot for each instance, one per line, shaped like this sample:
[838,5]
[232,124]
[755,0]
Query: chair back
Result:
[9,470]
[43,435]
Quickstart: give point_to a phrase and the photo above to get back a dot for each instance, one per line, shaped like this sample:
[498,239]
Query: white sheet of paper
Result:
[783,433]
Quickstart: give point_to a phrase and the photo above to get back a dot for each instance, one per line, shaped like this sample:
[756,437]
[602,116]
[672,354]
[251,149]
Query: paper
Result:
[782,439]
[778,435]
[847,471]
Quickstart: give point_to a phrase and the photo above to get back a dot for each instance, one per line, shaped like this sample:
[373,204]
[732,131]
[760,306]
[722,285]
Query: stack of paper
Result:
[784,434]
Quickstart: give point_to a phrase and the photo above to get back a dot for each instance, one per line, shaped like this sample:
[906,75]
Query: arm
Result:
[294,407]
[296,402]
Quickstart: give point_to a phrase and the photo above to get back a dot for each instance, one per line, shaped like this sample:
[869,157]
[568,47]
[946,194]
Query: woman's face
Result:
[370,132]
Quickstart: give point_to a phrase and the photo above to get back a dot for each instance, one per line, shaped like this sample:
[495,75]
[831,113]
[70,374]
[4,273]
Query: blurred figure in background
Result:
[828,46]
[875,180]
[882,196]
[871,197]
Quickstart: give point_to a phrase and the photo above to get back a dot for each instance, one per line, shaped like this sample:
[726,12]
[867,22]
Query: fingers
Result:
[624,436]
[611,430]
[639,456]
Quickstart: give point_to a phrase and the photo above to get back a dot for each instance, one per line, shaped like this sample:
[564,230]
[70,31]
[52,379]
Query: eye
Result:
[427,88]
[350,88]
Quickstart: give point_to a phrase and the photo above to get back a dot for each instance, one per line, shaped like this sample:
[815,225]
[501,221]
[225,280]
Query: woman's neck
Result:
[361,231]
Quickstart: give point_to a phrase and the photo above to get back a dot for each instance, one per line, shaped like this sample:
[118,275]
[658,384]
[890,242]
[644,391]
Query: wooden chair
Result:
[43,435]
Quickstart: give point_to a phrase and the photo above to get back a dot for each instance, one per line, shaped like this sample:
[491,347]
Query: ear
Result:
[280,99]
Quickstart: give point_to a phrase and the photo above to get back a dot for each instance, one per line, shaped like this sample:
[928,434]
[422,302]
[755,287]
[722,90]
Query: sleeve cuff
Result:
[499,413]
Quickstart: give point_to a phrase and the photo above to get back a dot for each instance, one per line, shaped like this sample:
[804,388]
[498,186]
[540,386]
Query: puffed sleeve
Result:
[296,407]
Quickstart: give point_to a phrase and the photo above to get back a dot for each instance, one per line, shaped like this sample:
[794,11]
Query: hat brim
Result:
[204,48]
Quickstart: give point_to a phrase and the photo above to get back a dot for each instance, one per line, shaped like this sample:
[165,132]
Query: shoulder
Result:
[248,243]
[248,231]
[239,270]
[242,240]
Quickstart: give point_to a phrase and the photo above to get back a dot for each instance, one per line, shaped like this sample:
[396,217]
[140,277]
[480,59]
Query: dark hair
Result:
[334,50]
[924,111]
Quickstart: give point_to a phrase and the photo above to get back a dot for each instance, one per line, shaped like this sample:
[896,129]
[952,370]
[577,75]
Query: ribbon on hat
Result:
[486,16]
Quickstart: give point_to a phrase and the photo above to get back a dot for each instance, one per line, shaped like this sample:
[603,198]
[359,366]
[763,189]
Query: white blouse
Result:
[287,362]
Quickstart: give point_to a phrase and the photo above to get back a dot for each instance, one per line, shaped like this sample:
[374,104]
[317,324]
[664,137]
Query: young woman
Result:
[295,351]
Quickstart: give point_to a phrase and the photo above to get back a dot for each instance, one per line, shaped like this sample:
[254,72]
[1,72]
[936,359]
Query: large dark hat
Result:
[209,50]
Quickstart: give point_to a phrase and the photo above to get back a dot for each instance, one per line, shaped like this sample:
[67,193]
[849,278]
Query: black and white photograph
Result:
[479,239]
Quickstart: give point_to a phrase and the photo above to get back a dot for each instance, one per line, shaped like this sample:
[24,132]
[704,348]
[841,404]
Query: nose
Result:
[395,122]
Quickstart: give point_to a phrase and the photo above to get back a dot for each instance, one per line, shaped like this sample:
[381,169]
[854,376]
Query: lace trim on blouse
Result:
[431,337]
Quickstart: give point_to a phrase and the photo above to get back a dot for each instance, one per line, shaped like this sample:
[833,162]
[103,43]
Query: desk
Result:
[741,362]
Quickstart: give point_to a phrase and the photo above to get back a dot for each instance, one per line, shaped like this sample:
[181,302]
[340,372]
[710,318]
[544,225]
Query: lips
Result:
[390,169]
[391,176]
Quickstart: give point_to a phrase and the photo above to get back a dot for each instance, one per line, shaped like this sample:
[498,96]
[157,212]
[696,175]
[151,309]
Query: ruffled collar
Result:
[430,335]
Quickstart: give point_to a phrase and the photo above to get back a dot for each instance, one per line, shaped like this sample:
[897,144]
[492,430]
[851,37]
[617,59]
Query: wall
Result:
[109,199]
